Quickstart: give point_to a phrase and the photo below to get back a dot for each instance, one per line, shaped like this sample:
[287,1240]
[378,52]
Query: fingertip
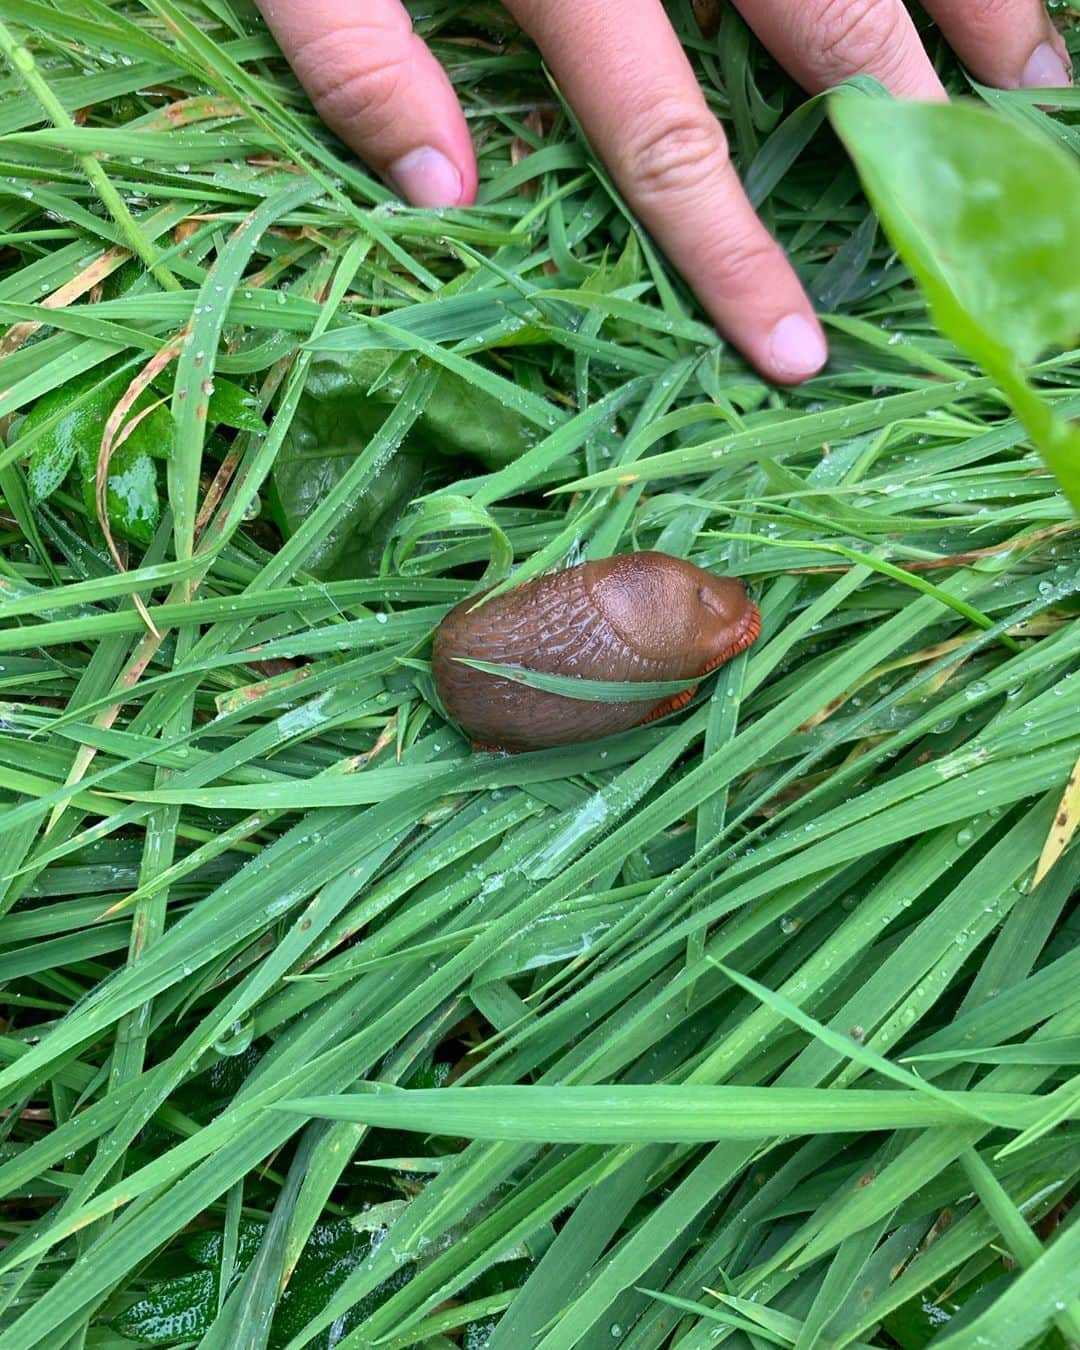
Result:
[794,349]
[1045,69]
[1009,46]
[426,177]
[376,84]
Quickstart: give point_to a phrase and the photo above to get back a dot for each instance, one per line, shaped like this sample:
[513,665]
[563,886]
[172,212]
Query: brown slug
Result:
[634,617]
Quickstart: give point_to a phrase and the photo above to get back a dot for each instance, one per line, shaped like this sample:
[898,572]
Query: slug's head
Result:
[669,611]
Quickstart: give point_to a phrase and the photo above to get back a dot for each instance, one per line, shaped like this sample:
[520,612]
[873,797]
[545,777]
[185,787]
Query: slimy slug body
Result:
[634,617]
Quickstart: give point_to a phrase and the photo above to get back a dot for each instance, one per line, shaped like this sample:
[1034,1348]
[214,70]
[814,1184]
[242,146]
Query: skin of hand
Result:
[623,71]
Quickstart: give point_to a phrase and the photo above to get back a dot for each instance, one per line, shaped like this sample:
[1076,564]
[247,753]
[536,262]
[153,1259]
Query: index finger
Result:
[626,76]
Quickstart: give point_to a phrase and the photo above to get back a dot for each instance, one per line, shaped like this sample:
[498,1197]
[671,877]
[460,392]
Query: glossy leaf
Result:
[82,417]
[986,213]
[346,399]
[184,1307]
[178,1310]
[232,406]
[74,443]
[131,494]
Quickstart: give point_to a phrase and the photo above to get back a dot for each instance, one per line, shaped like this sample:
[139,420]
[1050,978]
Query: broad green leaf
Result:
[179,1309]
[346,399]
[131,496]
[74,443]
[183,1307]
[354,546]
[232,406]
[77,434]
[986,213]
[916,1323]
[1029,1304]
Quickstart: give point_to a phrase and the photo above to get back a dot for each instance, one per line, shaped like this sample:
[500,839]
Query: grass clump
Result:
[245,864]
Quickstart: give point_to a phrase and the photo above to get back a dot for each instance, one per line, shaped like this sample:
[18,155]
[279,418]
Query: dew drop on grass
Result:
[237,1038]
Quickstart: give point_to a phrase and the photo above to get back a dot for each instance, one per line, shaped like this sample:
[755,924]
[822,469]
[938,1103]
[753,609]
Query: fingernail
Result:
[797,346]
[425,177]
[1045,70]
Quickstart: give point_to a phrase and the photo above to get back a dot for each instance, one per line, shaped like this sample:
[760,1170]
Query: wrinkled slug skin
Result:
[637,616]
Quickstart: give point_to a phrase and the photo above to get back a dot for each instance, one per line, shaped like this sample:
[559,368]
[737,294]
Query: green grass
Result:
[246,867]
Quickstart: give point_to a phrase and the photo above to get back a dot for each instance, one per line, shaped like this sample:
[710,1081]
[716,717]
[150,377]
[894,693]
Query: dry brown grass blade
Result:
[152,639]
[217,489]
[185,112]
[84,755]
[113,436]
[72,290]
[1066,819]
[539,121]
[1032,540]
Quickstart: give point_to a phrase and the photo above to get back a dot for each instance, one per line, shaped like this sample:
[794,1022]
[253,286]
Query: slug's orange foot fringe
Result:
[480,748]
[673,704]
[749,631]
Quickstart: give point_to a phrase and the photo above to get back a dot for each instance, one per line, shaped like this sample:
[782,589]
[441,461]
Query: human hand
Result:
[623,71]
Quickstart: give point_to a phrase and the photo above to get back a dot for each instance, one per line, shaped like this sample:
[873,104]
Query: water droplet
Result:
[237,1038]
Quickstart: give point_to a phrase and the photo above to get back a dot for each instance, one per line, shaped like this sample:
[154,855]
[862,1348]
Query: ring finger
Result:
[821,42]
